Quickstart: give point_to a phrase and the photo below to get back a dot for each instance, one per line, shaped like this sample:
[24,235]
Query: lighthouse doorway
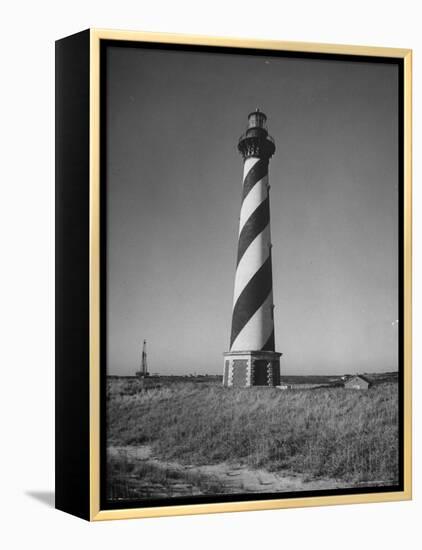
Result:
[260,372]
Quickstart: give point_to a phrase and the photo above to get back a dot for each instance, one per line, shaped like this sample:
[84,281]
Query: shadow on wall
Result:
[45,497]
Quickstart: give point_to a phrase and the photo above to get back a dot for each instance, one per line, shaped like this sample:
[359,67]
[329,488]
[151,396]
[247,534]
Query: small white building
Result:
[358,382]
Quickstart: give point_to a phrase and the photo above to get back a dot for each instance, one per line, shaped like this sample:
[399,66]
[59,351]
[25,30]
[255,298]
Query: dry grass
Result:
[328,432]
[129,479]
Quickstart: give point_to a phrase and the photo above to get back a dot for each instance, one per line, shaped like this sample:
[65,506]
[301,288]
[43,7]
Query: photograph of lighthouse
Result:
[251,333]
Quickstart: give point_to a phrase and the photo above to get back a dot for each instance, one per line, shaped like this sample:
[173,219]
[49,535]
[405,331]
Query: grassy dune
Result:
[328,432]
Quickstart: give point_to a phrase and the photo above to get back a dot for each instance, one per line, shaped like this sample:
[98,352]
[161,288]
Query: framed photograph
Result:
[215,352]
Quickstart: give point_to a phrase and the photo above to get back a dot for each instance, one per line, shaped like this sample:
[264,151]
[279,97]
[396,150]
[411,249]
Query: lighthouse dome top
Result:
[257,119]
[256,142]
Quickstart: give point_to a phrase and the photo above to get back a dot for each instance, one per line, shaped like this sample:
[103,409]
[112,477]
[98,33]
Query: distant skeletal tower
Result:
[144,365]
[252,359]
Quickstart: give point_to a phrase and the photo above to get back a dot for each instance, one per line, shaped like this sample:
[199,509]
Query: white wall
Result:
[26,217]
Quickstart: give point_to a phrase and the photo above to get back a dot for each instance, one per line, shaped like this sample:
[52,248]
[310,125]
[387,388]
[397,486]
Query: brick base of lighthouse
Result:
[243,369]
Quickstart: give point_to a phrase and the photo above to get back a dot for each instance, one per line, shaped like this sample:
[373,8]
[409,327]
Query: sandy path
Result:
[235,478]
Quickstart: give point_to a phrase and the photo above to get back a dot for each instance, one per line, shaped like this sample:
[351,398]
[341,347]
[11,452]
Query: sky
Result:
[174,182]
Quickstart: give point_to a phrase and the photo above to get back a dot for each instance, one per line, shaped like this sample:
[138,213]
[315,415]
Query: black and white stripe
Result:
[252,318]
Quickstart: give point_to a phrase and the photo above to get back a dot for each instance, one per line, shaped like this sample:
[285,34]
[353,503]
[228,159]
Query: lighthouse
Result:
[252,359]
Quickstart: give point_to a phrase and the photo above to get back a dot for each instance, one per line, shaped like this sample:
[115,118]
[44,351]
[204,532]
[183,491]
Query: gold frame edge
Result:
[94,276]
[94,319]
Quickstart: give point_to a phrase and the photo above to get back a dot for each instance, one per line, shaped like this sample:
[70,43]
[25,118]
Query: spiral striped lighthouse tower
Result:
[252,359]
